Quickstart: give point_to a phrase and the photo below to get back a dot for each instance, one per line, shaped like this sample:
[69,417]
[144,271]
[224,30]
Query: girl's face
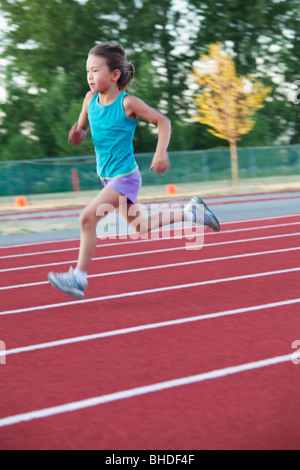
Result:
[99,77]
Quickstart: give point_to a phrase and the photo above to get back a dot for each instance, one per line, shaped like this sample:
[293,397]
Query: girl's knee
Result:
[87,220]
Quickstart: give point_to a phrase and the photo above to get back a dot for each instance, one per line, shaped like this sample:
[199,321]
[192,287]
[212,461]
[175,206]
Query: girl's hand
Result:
[160,163]
[76,135]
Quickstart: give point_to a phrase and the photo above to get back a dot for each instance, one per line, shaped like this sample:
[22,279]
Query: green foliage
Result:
[47,43]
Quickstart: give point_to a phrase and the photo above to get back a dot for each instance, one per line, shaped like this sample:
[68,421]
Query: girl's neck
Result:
[108,97]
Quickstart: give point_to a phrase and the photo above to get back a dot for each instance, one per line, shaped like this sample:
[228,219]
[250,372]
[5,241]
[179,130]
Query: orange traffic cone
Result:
[172,189]
[20,201]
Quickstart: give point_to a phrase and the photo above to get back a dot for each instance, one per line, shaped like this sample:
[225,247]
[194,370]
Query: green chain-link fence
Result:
[55,175]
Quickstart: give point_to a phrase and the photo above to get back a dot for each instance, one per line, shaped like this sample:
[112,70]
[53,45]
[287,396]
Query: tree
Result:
[45,45]
[264,35]
[227,102]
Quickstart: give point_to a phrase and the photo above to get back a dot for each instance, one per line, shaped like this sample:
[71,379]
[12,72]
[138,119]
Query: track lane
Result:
[126,362]
[36,273]
[75,320]
[239,331]
[196,271]
[260,417]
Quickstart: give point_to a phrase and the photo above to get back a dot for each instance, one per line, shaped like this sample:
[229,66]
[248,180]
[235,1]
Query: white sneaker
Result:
[68,283]
[200,213]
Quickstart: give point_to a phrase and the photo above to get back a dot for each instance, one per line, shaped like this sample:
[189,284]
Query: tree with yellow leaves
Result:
[227,102]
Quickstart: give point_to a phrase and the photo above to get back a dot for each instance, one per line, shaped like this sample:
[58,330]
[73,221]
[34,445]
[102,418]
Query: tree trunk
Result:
[234,164]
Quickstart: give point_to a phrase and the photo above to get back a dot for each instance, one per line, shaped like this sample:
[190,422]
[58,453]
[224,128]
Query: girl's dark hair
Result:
[115,59]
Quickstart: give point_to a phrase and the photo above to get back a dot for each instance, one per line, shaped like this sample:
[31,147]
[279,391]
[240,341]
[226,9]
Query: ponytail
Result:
[127,74]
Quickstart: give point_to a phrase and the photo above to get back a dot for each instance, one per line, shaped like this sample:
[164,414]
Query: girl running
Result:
[112,116]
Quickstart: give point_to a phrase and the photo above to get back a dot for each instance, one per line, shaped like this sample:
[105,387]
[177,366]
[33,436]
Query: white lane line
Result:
[129,242]
[259,219]
[149,268]
[47,242]
[148,291]
[146,389]
[140,253]
[149,326]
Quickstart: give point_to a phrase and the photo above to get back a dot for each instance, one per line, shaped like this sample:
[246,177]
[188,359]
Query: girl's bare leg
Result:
[133,214]
[106,201]
[74,282]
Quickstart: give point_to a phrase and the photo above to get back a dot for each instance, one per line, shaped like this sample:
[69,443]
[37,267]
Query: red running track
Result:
[170,349]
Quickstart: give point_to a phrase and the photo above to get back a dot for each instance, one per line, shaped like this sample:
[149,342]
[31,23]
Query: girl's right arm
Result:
[80,128]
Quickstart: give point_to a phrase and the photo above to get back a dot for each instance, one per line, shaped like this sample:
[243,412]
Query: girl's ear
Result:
[116,75]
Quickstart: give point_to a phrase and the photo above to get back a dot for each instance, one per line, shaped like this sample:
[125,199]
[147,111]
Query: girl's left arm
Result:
[134,107]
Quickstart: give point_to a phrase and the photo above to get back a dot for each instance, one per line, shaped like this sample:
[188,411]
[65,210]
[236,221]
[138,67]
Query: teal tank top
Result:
[112,133]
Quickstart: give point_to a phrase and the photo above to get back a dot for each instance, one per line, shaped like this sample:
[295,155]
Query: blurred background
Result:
[44,46]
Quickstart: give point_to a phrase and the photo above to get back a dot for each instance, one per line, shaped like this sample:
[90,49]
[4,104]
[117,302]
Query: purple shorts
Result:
[128,185]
